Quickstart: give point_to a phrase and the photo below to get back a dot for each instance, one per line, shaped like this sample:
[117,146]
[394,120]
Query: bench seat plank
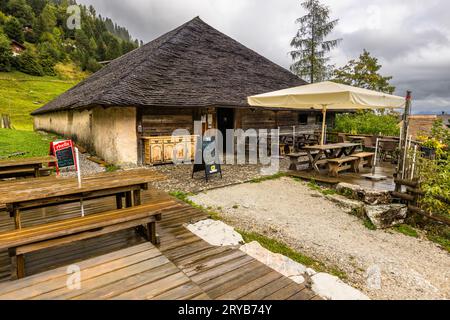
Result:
[77,225]
[342,164]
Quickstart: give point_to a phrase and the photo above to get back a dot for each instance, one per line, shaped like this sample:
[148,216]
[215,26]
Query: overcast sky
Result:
[410,37]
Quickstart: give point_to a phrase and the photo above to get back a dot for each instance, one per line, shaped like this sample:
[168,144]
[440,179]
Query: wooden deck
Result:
[124,266]
[386,169]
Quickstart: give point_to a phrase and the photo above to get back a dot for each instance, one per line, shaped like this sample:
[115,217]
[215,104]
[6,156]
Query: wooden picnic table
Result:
[357,138]
[16,196]
[17,167]
[330,151]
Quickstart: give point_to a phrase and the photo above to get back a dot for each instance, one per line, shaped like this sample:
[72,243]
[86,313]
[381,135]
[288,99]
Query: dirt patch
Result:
[383,264]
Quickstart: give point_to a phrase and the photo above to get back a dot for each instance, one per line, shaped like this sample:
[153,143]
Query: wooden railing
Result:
[412,197]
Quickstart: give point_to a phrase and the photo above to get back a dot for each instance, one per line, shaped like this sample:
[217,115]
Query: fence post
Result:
[404,140]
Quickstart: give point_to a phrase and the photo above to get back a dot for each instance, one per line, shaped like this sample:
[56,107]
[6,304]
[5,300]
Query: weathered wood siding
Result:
[164,121]
[266,119]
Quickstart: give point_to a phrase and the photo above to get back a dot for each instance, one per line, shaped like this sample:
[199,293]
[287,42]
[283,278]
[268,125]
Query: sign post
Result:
[64,153]
[67,156]
[200,164]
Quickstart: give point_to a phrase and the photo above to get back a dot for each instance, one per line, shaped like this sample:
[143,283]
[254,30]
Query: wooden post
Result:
[20,265]
[128,199]
[17,220]
[137,197]
[324,123]
[404,140]
[119,203]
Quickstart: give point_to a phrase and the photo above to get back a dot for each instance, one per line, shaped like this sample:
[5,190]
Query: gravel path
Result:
[383,264]
[88,168]
[179,178]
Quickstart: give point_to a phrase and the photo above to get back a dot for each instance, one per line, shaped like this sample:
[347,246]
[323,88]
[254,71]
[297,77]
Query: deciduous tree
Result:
[364,72]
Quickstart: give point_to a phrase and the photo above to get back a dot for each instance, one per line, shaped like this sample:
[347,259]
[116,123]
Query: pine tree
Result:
[47,19]
[5,53]
[21,10]
[13,28]
[310,44]
[364,73]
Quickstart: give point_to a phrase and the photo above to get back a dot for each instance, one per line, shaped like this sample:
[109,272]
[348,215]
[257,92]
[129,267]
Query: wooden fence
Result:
[411,193]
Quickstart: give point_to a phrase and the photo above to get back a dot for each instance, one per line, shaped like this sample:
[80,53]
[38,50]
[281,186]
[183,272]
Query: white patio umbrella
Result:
[327,96]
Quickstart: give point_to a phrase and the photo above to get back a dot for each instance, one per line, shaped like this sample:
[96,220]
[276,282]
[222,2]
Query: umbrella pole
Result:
[324,123]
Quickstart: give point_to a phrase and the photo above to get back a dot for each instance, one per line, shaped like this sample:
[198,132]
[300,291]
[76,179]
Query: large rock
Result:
[368,196]
[332,288]
[216,233]
[375,197]
[351,191]
[348,205]
[287,267]
[386,216]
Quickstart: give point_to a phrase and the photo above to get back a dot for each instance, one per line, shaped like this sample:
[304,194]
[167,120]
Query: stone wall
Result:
[109,133]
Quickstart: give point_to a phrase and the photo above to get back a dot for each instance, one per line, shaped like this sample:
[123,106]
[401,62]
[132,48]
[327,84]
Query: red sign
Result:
[64,152]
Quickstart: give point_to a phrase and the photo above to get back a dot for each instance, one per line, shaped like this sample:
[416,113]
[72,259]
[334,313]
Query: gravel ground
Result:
[383,264]
[88,168]
[179,178]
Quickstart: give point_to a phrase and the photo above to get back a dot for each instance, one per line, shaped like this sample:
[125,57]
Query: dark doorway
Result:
[225,121]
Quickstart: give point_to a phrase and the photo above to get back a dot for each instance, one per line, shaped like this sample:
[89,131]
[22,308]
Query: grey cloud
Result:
[414,47]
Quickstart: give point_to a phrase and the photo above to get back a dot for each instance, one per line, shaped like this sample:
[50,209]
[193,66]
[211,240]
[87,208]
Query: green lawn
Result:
[20,94]
[33,144]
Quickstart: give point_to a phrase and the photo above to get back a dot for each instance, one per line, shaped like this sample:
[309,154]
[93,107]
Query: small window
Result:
[303,119]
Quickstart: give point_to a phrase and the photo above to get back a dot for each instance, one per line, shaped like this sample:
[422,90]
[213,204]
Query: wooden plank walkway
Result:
[386,169]
[140,272]
[191,267]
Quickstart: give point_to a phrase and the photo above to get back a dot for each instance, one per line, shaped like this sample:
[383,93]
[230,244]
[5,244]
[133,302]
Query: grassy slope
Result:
[20,94]
[31,143]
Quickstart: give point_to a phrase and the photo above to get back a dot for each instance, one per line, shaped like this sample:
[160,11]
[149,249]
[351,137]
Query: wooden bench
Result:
[365,160]
[342,164]
[28,240]
[24,173]
[295,159]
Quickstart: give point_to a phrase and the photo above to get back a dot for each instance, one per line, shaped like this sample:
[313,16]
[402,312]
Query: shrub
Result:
[92,65]
[368,122]
[28,62]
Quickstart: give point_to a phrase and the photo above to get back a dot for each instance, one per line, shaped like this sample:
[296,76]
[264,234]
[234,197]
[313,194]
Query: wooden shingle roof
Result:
[192,66]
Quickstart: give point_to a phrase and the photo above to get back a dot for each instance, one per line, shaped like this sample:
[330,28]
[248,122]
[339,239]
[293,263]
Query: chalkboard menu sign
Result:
[64,152]
[209,143]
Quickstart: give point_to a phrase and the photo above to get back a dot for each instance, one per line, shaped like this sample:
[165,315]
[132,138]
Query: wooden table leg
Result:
[311,159]
[316,160]
[119,203]
[151,233]
[37,172]
[128,199]
[137,197]
[20,265]
[17,222]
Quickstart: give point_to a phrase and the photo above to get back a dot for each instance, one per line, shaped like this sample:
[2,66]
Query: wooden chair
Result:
[369,144]
[388,149]
[28,240]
